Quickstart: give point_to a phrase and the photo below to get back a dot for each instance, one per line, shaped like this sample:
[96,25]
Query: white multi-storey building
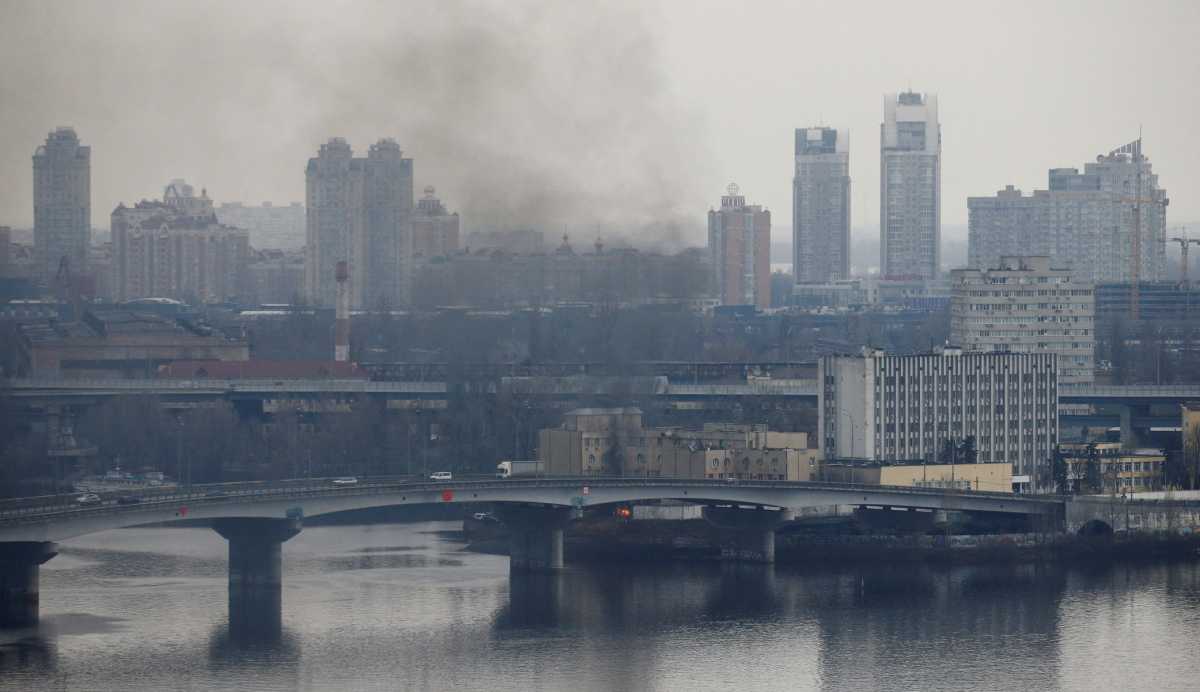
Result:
[902,408]
[910,190]
[1084,222]
[821,206]
[1022,305]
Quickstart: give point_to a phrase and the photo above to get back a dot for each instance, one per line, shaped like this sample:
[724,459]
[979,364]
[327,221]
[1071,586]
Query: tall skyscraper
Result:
[739,245]
[359,210]
[62,203]
[177,249]
[1084,222]
[910,190]
[821,206]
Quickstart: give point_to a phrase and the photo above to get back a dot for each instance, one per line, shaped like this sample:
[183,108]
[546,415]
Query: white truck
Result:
[512,469]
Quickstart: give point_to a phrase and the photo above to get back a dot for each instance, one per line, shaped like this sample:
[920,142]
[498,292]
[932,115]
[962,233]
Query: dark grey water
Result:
[400,607]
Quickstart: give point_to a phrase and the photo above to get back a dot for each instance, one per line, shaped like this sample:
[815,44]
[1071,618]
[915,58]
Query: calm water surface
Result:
[402,607]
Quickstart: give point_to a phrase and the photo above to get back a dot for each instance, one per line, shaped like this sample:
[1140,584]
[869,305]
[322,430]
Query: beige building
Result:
[177,249]
[986,477]
[1190,426]
[613,442]
[1119,470]
[1022,305]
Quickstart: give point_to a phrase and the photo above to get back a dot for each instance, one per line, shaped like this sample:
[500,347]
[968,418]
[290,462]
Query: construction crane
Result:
[1184,242]
[1134,149]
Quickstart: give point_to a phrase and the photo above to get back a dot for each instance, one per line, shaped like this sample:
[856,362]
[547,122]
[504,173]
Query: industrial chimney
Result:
[341,327]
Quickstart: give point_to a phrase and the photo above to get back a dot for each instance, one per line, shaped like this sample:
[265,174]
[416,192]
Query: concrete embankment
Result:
[652,541]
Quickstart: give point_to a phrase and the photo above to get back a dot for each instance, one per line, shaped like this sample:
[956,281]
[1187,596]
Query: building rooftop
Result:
[117,324]
[262,369]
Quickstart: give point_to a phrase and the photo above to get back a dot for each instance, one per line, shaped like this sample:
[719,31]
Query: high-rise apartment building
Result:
[1022,305]
[739,245]
[435,230]
[887,408]
[821,206]
[62,203]
[177,249]
[1083,222]
[359,210]
[910,190]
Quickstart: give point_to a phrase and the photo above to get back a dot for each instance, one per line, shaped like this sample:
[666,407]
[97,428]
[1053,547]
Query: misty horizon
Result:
[617,123]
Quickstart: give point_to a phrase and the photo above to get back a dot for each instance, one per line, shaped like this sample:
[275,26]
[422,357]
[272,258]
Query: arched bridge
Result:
[257,518]
[61,517]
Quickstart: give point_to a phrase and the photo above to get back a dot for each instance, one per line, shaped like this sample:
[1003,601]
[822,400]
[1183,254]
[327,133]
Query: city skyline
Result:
[991,139]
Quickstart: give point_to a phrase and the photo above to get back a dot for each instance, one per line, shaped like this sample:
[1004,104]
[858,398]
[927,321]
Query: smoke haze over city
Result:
[627,119]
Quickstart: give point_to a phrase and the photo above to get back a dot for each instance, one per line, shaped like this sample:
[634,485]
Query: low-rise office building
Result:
[612,441]
[981,476]
[1106,468]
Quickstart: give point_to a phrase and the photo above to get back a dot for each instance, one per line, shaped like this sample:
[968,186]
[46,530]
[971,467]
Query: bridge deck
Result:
[58,517]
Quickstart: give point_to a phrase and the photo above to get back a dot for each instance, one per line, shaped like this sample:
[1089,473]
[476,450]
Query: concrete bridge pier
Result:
[1131,436]
[256,571]
[536,537]
[20,563]
[751,531]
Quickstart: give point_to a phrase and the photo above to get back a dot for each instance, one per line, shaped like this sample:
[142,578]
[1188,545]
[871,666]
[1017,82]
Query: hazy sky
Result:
[616,117]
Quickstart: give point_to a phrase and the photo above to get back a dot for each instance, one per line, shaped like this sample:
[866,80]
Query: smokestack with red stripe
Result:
[341,327]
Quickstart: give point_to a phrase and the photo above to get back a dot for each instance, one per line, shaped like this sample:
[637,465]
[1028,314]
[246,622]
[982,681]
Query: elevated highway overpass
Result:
[65,389]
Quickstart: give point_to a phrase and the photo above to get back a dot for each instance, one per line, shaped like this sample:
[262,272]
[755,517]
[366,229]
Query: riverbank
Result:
[611,540]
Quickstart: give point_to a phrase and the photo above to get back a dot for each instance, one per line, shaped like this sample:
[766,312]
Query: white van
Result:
[441,476]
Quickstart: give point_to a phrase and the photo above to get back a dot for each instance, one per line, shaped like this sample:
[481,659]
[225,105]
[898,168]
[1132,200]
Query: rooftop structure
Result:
[121,343]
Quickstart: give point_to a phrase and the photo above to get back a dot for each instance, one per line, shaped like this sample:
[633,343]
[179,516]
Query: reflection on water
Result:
[387,607]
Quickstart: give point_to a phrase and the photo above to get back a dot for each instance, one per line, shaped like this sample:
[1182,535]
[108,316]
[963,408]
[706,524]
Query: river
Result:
[388,607]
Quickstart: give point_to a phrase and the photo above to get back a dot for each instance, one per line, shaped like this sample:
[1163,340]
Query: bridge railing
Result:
[41,508]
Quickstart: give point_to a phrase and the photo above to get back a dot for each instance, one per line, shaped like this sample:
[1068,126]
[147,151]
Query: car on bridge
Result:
[441,476]
[345,481]
[89,499]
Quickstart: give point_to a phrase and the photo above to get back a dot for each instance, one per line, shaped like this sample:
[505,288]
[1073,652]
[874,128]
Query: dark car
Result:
[129,500]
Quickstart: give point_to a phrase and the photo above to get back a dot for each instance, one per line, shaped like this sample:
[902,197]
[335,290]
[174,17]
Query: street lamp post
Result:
[853,429]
